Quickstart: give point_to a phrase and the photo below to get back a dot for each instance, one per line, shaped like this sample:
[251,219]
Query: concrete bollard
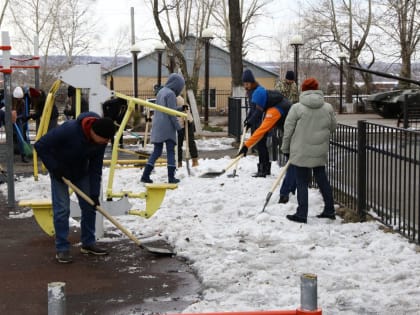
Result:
[308,292]
[56,298]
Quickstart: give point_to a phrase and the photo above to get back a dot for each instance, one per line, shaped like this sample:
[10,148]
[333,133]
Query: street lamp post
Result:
[342,57]
[296,42]
[160,48]
[206,36]
[135,50]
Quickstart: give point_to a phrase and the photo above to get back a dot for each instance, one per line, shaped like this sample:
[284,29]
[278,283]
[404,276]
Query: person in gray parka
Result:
[164,128]
[307,131]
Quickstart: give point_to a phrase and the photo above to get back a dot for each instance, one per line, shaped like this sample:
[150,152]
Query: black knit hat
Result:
[248,76]
[290,75]
[104,127]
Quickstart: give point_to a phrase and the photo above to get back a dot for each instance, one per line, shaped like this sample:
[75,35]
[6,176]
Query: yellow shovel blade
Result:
[43,214]
[154,197]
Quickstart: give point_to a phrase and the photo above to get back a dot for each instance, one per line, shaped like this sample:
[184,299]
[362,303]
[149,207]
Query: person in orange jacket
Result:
[275,109]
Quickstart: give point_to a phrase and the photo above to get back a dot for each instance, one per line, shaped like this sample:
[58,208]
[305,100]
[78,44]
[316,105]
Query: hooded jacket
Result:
[307,130]
[67,148]
[164,126]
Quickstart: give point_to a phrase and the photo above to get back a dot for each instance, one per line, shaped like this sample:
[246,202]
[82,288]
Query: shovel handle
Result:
[101,210]
[233,162]
[281,175]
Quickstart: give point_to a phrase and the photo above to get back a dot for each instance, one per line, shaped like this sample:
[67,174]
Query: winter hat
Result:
[18,92]
[310,84]
[104,127]
[290,75]
[248,76]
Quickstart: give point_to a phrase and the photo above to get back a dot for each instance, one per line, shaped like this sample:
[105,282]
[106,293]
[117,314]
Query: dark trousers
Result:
[191,142]
[263,155]
[289,182]
[302,183]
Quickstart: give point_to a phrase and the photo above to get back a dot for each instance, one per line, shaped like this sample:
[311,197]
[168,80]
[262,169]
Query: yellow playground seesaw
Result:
[154,193]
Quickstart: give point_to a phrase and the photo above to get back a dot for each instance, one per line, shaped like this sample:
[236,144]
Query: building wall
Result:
[219,75]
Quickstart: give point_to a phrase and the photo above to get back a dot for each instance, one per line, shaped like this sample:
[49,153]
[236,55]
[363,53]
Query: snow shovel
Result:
[187,147]
[239,149]
[26,147]
[154,250]
[275,184]
[216,174]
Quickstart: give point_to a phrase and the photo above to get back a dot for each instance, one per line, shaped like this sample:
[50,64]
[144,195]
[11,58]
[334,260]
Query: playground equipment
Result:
[88,76]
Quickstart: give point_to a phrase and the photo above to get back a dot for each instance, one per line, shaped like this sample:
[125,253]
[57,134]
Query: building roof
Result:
[219,60]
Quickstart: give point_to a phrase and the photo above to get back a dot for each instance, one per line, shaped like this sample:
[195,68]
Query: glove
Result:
[247,125]
[95,199]
[244,150]
[287,155]
[185,107]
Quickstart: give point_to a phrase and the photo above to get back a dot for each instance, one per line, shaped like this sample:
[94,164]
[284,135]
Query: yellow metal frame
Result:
[154,193]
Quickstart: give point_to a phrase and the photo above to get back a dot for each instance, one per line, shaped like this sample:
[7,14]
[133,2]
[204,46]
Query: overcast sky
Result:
[278,16]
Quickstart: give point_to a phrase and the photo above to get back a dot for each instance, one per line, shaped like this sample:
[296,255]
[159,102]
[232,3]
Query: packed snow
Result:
[249,260]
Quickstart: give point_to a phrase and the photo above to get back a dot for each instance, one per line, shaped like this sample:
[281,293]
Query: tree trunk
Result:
[235,45]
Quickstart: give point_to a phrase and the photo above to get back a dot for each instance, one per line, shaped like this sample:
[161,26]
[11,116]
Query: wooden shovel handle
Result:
[101,210]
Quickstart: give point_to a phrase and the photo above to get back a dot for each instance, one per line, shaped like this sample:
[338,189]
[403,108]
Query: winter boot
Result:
[267,168]
[261,172]
[145,178]
[194,162]
[171,175]
[179,164]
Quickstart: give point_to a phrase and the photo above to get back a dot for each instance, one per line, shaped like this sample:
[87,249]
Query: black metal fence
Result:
[375,170]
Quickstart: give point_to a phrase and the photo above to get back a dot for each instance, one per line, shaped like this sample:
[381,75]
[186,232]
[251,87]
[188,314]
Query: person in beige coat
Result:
[307,132]
[181,133]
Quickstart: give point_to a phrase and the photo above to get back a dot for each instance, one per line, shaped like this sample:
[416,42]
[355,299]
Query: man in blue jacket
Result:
[75,150]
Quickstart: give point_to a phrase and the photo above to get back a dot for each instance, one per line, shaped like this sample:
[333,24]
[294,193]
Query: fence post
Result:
[234,117]
[56,298]
[361,169]
[308,292]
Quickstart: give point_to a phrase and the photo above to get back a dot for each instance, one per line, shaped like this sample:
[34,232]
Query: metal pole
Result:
[135,79]
[361,169]
[341,86]
[36,58]
[5,43]
[56,298]
[206,82]
[308,292]
[296,63]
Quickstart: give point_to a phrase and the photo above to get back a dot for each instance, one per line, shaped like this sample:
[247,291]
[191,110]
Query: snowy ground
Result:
[248,260]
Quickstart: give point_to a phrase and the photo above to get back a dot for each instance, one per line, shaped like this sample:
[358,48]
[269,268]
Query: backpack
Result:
[274,98]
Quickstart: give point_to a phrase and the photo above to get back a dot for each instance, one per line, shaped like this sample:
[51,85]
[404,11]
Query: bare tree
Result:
[334,26]
[190,17]
[59,25]
[234,18]
[75,28]
[400,21]
[235,46]
[3,11]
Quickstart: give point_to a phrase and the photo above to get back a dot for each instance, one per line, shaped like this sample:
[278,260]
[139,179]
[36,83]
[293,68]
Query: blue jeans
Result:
[289,182]
[61,210]
[302,182]
[157,152]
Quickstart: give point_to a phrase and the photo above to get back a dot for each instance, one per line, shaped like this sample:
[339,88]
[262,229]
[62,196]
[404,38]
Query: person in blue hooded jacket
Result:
[164,129]
[75,151]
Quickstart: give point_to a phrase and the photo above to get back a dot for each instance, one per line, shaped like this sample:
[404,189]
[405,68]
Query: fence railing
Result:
[375,170]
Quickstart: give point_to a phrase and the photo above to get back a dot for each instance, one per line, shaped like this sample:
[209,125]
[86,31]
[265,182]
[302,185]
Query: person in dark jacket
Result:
[75,151]
[164,128]
[275,112]
[253,121]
